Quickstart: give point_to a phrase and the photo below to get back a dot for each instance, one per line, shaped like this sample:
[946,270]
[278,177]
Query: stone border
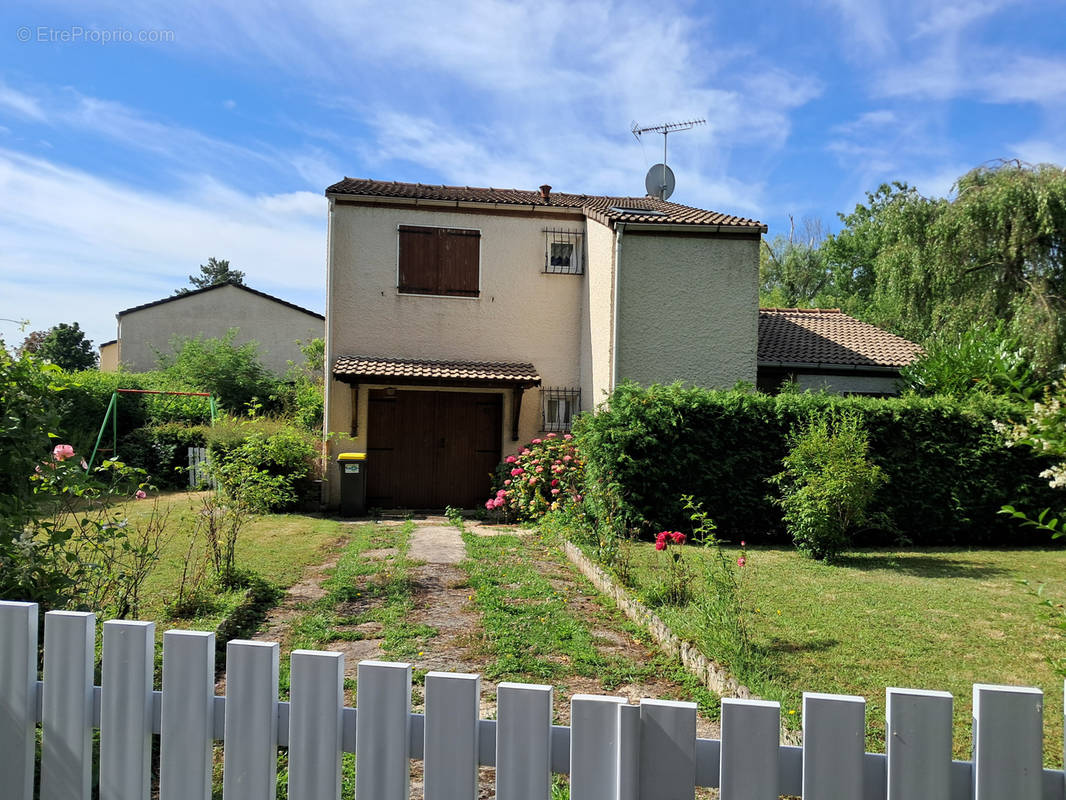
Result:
[713,675]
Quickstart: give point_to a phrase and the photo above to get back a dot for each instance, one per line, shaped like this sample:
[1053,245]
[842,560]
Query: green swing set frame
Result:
[112,415]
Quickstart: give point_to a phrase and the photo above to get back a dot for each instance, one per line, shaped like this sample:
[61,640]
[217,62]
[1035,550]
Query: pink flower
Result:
[490,504]
[532,481]
[497,502]
[516,472]
[578,498]
[507,482]
[660,538]
[660,544]
[526,452]
[540,469]
[555,481]
[741,561]
[510,459]
[501,492]
[678,537]
[567,437]
[551,436]
[555,491]
[62,452]
[536,441]
[743,543]
[141,494]
[567,458]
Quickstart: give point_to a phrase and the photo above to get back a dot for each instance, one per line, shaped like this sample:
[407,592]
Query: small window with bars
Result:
[559,407]
[562,251]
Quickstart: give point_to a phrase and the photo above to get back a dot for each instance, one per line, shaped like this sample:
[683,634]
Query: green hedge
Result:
[948,471]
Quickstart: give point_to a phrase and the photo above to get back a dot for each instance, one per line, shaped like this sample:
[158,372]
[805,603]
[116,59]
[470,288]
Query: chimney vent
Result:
[545,193]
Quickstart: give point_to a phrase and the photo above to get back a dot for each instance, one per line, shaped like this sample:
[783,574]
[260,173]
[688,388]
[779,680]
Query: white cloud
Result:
[22,104]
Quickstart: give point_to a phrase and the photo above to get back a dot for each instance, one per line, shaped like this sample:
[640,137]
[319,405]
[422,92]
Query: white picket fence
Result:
[611,751]
[199,477]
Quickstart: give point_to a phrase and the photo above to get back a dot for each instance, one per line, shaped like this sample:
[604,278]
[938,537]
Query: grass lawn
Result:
[279,547]
[928,619]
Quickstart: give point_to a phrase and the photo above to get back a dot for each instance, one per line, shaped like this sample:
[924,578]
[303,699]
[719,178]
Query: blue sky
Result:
[211,129]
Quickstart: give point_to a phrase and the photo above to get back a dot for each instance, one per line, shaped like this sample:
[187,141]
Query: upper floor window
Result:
[439,261]
[562,251]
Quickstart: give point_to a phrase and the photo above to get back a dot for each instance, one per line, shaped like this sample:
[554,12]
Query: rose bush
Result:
[545,475]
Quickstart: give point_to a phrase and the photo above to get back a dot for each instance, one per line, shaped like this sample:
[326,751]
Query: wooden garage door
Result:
[431,449]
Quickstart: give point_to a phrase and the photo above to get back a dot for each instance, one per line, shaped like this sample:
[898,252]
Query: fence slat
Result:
[750,745]
[833,748]
[250,753]
[1007,742]
[667,749]
[18,697]
[628,752]
[316,700]
[594,747]
[450,746]
[67,712]
[918,744]
[382,741]
[126,710]
[187,715]
[523,741]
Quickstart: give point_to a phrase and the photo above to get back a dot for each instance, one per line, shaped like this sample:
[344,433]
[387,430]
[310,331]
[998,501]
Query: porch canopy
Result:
[517,376]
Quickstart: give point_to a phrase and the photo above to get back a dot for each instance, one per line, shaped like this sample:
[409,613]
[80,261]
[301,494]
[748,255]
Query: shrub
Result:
[827,484]
[162,451]
[233,373]
[947,471]
[263,463]
[545,475]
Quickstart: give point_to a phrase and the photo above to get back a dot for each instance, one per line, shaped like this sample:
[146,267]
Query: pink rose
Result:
[501,492]
[62,452]
[516,472]
[497,502]
[141,494]
[742,543]
[555,491]
[660,545]
[510,459]
[678,537]
[489,504]
[741,561]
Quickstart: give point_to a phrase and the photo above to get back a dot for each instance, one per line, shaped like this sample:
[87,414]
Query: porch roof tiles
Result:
[371,367]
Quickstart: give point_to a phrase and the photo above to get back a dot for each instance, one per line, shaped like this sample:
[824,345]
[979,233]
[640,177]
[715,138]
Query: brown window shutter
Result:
[419,260]
[460,256]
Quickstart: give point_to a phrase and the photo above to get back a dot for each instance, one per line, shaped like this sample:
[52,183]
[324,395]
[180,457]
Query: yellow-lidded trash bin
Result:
[353,484]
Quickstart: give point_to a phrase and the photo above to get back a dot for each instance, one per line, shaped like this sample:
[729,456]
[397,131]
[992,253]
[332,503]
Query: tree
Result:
[792,271]
[233,373]
[32,343]
[214,272]
[995,252]
[66,347]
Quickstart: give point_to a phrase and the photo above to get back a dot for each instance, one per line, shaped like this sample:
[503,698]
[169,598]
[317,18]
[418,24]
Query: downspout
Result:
[619,230]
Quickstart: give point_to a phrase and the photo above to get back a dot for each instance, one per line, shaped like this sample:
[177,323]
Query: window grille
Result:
[562,252]
[559,407]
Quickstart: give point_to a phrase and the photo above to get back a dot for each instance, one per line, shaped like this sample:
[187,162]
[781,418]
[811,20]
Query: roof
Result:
[109,341]
[435,371]
[827,336]
[192,292]
[606,209]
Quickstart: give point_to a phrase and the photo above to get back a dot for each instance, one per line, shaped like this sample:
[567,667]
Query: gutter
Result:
[695,228]
[829,366]
[618,231]
[417,202]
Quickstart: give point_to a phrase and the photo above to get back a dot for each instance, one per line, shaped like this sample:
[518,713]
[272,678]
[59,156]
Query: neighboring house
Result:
[823,348]
[462,321]
[109,356]
[277,325]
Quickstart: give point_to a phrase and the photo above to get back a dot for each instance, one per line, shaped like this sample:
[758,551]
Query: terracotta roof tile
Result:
[828,336]
[601,207]
[372,367]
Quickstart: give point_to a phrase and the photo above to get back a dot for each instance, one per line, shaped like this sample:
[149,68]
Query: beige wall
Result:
[598,317]
[688,309]
[274,326]
[109,357]
[848,384]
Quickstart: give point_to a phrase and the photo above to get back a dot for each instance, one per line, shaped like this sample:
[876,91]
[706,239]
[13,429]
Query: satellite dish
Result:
[660,181]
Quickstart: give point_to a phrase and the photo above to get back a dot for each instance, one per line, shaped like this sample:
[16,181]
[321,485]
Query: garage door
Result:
[431,449]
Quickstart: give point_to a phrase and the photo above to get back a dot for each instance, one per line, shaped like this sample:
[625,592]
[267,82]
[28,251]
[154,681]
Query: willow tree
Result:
[993,252]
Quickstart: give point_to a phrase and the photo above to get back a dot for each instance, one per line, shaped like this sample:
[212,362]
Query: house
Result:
[277,325]
[823,348]
[461,321]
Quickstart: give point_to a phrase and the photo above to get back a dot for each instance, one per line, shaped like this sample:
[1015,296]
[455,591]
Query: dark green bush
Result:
[947,471]
[163,451]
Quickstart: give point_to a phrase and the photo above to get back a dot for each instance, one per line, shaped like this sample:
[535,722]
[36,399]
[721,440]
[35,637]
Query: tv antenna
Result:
[660,179]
